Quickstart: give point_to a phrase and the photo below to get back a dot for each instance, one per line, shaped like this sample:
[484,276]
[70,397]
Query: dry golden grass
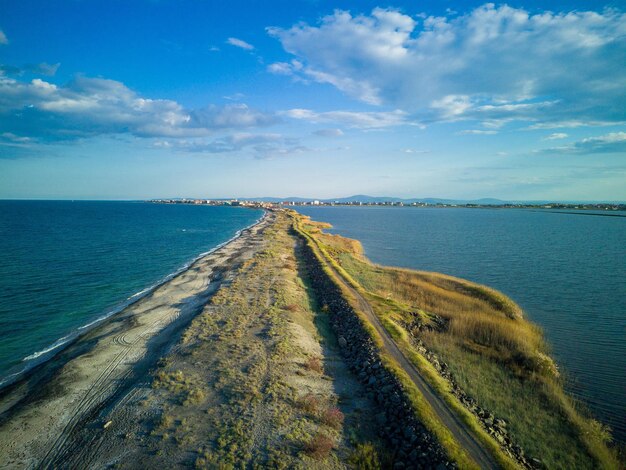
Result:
[478,318]
[340,244]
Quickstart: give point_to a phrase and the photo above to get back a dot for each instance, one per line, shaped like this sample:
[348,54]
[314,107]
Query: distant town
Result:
[390,203]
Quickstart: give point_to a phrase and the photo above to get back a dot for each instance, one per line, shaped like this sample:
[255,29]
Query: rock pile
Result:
[496,427]
[412,445]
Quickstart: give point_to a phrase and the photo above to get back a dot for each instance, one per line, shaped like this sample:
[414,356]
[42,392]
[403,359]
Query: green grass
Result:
[533,421]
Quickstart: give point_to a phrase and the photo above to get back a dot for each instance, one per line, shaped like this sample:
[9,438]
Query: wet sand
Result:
[43,416]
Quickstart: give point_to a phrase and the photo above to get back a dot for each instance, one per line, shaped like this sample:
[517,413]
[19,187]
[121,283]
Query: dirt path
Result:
[448,417]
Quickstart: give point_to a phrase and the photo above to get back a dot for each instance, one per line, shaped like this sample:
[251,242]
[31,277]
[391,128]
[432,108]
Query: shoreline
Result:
[40,412]
[39,358]
[236,342]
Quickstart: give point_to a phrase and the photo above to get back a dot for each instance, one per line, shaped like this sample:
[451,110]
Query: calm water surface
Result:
[65,264]
[567,271]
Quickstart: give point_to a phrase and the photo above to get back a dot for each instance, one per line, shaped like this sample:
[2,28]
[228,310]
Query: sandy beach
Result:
[45,415]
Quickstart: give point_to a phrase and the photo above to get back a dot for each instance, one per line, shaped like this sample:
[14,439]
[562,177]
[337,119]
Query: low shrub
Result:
[314,364]
[320,446]
[333,417]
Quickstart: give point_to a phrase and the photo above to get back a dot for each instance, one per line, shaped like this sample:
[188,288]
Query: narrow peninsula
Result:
[288,348]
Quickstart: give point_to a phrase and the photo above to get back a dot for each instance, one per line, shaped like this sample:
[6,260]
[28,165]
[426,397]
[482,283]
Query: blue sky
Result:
[134,100]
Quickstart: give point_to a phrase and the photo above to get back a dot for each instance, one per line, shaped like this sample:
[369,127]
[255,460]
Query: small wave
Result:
[9,378]
[142,292]
[97,320]
[55,345]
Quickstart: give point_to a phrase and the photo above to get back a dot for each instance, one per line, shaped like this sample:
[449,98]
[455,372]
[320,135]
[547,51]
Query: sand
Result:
[43,415]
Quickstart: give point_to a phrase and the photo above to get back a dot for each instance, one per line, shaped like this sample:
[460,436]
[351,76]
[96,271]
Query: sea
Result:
[66,266]
[566,269]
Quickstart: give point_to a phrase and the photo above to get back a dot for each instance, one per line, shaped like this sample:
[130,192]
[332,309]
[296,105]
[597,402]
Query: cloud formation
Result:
[614,142]
[94,106]
[240,44]
[556,136]
[37,69]
[329,132]
[267,145]
[354,119]
[477,132]
[493,64]
[3,38]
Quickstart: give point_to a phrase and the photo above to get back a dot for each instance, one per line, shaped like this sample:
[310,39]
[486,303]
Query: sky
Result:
[188,98]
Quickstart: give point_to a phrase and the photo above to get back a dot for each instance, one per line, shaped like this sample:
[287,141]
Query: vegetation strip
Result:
[428,405]
[412,443]
[495,357]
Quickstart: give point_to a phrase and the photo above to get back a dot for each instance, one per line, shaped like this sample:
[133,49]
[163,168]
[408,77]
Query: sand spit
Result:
[43,416]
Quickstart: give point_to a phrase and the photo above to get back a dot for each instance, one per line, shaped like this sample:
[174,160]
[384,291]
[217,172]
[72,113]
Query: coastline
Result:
[259,351]
[38,358]
[54,397]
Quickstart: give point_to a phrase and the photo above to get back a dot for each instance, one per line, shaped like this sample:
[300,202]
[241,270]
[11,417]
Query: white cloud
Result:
[14,138]
[614,142]
[329,132]
[267,145]
[355,119]
[230,116]
[229,143]
[556,136]
[240,43]
[573,123]
[234,97]
[346,84]
[3,38]
[92,106]
[495,64]
[451,106]
[477,132]
[280,68]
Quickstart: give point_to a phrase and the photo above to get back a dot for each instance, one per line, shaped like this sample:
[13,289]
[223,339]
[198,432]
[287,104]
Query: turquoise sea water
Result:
[567,271]
[64,265]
